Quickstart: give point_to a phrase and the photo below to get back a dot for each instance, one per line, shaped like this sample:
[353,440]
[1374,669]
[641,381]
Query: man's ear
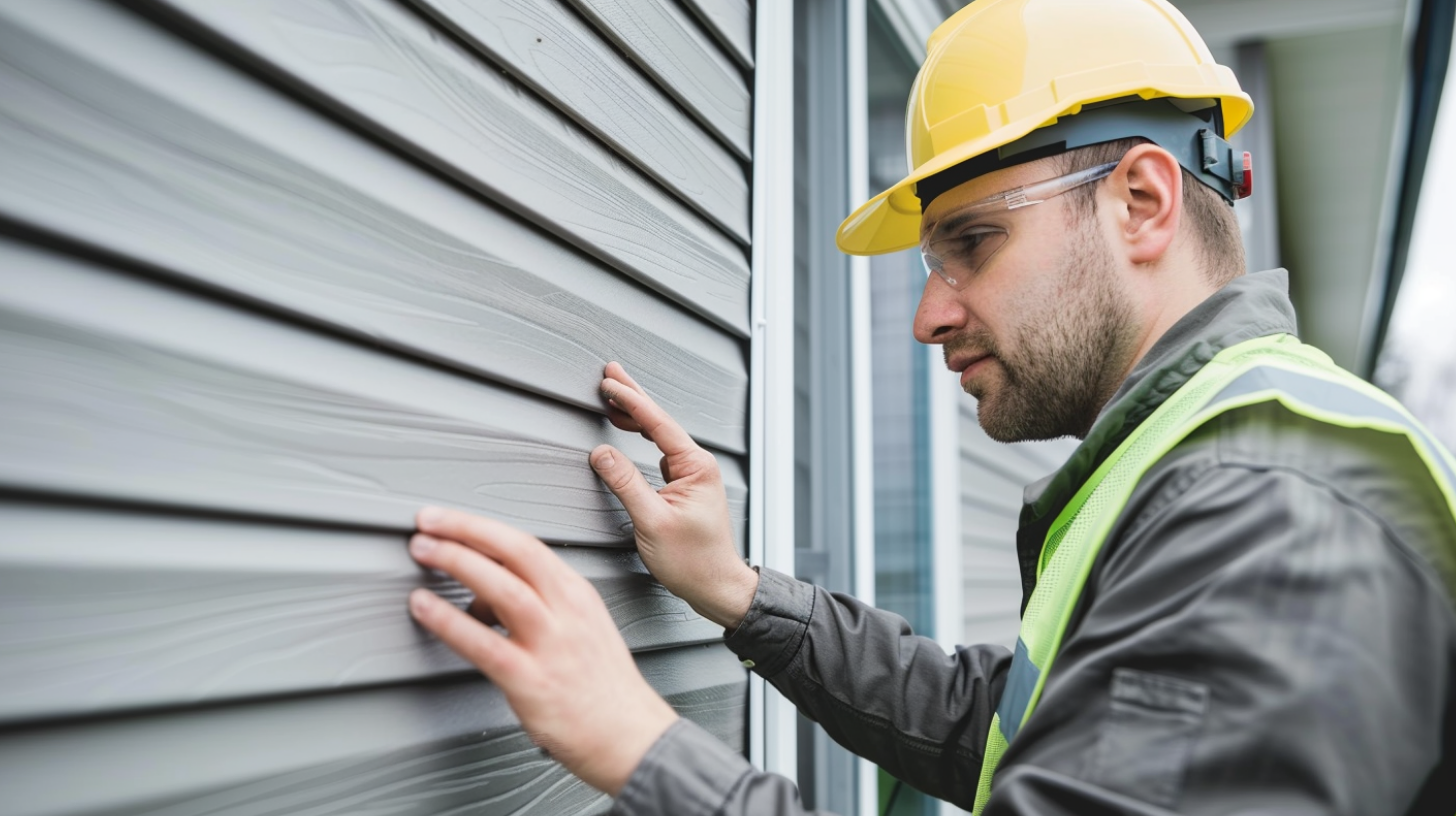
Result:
[1147,188]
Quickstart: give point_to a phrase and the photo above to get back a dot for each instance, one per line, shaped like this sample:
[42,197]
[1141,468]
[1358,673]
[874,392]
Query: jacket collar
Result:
[1254,305]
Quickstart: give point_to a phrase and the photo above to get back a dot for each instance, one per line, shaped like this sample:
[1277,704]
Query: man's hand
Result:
[563,666]
[683,532]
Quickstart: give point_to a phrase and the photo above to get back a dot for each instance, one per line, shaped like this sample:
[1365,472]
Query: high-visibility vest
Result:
[1277,367]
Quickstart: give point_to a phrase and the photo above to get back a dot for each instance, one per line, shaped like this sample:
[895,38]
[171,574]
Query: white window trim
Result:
[867,778]
[772,737]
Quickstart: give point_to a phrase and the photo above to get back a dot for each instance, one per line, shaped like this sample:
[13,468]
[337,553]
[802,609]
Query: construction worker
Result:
[1238,590]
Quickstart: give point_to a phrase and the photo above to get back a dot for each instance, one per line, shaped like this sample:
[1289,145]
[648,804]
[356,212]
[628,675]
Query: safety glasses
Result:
[958,247]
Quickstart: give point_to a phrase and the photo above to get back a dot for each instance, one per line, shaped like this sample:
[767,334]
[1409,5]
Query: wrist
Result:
[731,597]
[630,747]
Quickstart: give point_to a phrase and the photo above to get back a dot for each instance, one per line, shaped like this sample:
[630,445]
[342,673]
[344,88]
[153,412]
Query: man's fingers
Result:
[621,419]
[521,552]
[482,611]
[515,604]
[618,372]
[500,660]
[656,424]
[625,481]
[662,466]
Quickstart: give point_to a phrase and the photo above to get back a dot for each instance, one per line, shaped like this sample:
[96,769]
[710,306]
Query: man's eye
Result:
[967,242]
[972,241]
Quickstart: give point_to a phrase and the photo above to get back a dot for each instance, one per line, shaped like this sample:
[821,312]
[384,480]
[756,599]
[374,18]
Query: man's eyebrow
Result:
[951,223]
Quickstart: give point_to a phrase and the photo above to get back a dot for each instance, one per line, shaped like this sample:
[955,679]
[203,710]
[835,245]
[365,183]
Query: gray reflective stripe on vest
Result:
[1323,394]
[1020,685]
[1330,397]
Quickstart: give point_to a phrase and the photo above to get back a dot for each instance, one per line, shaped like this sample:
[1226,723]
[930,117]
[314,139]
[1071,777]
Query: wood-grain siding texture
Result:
[446,747]
[183,164]
[273,275]
[993,476]
[731,21]
[663,39]
[106,609]
[387,70]
[140,392]
[550,48]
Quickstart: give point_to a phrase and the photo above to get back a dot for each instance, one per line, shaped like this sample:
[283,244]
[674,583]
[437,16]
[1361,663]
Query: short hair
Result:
[1207,212]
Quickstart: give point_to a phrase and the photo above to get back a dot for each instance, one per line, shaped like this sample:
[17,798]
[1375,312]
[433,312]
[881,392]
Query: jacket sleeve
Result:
[884,693]
[888,695]
[690,772]
[1258,642]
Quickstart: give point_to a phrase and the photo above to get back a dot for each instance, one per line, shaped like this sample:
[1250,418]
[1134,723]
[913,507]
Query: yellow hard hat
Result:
[998,70]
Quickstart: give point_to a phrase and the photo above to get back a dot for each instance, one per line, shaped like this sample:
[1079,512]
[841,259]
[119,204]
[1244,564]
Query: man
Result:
[1239,588]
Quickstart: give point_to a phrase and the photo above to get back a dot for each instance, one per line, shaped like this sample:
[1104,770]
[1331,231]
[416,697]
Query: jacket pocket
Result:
[1144,745]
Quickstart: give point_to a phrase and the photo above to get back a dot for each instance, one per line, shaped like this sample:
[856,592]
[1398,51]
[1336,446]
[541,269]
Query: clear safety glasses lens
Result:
[957,258]
[958,248]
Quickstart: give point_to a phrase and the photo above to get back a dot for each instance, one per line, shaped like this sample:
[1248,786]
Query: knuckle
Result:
[444,557]
[622,479]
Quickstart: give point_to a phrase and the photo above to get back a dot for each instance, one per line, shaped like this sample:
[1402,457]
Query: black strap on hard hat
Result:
[1194,137]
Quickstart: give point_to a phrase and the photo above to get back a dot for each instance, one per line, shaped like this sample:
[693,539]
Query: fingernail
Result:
[422,546]
[429,515]
[419,601]
[606,460]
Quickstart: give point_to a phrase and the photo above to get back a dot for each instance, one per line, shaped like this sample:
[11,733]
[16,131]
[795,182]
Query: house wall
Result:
[273,276]
[993,475]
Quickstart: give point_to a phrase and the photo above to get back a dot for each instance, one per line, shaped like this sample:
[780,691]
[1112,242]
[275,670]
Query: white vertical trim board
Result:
[862,415]
[773,742]
[861,374]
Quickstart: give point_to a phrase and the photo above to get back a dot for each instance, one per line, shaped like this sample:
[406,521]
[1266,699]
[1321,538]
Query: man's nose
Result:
[940,312]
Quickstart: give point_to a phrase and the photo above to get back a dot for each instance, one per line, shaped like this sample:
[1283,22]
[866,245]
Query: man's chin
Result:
[1006,423]
[997,430]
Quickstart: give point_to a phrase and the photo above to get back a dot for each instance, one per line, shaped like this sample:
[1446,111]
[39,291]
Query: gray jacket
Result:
[1269,629]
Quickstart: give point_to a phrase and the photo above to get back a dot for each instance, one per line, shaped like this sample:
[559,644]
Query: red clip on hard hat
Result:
[1245,188]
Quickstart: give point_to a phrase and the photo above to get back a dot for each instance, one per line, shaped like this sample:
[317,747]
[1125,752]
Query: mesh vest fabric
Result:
[1277,367]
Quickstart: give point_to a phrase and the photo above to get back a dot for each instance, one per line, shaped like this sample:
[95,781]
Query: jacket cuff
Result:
[687,772]
[769,637]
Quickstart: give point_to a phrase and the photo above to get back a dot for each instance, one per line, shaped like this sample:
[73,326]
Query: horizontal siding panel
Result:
[385,68]
[411,751]
[995,471]
[138,392]
[731,21]
[995,617]
[660,37]
[184,164]
[102,610]
[548,47]
[991,568]
[988,492]
[996,520]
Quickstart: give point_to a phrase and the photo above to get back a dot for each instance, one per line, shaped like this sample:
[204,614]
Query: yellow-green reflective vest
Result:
[1279,368]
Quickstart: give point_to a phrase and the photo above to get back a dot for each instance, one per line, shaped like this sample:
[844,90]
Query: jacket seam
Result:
[1408,552]
[1168,496]
[786,655]
[738,784]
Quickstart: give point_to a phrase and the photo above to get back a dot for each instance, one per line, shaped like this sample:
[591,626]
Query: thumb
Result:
[625,481]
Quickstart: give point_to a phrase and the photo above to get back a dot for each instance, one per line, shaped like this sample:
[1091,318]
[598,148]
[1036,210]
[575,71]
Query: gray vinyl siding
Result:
[992,477]
[273,275]
[731,21]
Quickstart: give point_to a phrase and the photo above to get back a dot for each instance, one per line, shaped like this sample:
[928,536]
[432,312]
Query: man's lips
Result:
[967,364]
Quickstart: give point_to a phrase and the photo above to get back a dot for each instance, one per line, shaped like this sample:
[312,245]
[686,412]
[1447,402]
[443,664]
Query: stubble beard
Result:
[1067,359]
